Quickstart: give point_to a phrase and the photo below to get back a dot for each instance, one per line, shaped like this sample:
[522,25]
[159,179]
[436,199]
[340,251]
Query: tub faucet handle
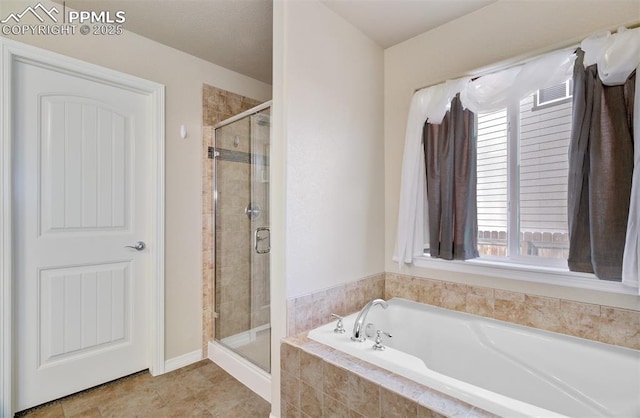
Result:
[378,343]
[370,330]
[339,329]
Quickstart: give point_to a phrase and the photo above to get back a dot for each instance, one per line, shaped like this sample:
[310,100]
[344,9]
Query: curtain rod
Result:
[523,60]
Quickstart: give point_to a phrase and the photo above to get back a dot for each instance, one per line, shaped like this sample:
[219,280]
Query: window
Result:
[521,178]
[522,165]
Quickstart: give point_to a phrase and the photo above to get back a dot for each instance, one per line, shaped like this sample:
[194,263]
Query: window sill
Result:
[528,273]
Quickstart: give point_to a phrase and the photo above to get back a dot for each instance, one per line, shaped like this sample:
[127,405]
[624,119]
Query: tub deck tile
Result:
[510,311]
[543,313]
[393,405]
[290,389]
[480,305]
[424,412]
[334,408]
[580,319]
[336,382]
[354,388]
[402,386]
[373,372]
[444,404]
[311,400]
[290,360]
[311,370]
[620,326]
[363,396]
[289,411]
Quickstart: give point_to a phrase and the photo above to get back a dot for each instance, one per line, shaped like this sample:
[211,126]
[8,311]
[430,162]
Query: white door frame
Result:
[10,52]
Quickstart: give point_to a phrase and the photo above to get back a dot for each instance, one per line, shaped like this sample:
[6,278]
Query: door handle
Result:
[138,246]
[258,239]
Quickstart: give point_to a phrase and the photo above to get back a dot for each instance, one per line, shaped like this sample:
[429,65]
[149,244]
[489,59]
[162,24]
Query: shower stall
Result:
[242,243]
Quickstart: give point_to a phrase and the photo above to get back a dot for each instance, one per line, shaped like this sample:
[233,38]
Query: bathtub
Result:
[507,369]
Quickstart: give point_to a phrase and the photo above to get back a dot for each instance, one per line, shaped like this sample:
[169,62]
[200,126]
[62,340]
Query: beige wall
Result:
[500,32]
[183,75]
[327,165]
[333,107]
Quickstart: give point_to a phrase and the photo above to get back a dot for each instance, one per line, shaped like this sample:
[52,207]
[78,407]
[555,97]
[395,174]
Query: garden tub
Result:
[507,369]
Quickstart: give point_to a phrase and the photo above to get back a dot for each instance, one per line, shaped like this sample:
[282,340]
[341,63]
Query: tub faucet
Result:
[358,327]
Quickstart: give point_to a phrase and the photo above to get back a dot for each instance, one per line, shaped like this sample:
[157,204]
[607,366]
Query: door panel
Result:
[84,165]
[81,195]
[83,310]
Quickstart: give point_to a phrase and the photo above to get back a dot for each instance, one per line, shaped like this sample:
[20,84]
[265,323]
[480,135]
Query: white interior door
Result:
[80,196]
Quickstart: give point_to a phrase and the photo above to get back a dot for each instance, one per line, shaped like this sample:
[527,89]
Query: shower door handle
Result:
[262,234]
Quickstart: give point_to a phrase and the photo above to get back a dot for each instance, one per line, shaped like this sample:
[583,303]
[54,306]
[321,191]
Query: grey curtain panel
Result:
[600,172]
[450,156]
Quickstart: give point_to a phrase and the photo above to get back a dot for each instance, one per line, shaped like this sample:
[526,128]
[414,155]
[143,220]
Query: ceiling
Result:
[389,22]
[237,34]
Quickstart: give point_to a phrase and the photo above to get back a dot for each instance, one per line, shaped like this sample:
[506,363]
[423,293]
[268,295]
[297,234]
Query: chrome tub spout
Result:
[358,327]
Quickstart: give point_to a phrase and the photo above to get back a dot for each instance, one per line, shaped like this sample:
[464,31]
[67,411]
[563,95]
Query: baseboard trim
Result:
[183,360]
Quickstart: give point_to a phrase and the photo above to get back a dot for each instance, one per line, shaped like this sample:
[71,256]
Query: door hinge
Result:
[211,153]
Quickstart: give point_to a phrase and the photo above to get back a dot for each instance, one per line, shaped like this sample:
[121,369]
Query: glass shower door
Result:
[242,236]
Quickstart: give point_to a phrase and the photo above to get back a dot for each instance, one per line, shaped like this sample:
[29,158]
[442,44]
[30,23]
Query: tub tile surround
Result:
[310,311]
[595,322]
[217,105]
[320,381]
[317,380]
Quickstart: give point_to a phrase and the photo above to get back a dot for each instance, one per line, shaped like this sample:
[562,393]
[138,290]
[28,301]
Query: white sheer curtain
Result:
[413,216]
[617,56]
[499,90]
[631,257]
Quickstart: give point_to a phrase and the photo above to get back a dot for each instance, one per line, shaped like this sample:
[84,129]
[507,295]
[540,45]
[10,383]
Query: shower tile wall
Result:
[217,105]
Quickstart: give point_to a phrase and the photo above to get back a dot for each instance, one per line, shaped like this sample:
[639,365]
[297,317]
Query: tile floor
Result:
[199,390]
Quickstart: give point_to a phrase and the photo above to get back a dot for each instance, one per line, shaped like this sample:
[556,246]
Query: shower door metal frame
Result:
[239,116]
[222,124]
